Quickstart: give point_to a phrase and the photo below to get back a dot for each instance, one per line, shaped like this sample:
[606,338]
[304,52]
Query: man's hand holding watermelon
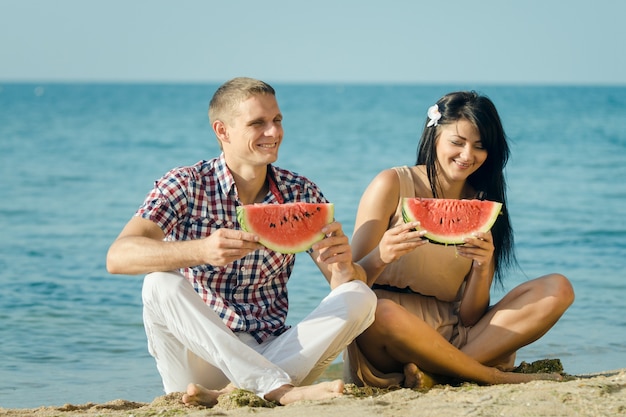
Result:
[334,257]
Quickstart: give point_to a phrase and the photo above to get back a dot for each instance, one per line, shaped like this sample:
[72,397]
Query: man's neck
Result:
[252,186]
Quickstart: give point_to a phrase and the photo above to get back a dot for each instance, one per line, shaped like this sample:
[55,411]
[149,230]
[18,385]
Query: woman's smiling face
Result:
[459,150]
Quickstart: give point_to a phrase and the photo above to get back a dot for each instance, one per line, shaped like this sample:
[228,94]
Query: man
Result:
[215,300]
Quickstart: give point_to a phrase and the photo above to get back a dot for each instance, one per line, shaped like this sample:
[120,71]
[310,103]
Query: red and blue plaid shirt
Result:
[250,294]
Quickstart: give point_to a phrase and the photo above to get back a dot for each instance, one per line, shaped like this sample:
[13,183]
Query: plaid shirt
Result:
[250,294]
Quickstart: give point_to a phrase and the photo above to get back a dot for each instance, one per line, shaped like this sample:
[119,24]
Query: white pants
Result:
[191,344]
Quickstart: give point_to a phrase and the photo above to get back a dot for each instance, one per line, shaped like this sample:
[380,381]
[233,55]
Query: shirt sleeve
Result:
[167,203]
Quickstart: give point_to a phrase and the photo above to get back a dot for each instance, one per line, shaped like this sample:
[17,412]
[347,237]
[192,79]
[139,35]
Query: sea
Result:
[77,159]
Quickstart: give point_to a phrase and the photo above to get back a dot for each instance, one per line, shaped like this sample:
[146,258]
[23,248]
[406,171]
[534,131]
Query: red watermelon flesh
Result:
[450,221]
[286,228]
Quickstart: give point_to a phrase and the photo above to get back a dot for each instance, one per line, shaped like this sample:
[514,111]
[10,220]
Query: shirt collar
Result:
[224,177]
[227,182]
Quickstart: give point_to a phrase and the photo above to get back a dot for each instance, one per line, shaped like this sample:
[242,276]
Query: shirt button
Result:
[243,268]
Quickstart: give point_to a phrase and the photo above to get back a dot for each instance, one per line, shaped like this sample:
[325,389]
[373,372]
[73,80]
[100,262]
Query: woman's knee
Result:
[554,290]
[390,315]
[386,309]
[562,289]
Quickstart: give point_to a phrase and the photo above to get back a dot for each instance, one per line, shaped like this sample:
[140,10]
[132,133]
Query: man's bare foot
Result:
[198,395]
[288,394]
[415,378]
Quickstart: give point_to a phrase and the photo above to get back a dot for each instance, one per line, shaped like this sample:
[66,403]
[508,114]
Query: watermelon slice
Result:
[450,221]
[286,228]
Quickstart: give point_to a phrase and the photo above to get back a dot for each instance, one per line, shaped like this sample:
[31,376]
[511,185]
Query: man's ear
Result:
[220,130]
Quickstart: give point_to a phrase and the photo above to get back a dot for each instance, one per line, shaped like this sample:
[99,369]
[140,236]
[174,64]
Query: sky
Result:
[561,42]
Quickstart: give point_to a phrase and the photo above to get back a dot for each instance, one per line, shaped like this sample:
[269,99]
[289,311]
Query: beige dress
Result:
[428,282]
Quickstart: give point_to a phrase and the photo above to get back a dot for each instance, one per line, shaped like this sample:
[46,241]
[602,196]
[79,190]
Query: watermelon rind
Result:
[434,216]
[302,233]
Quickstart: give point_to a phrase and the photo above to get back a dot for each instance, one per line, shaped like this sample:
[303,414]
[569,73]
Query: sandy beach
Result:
[602,394]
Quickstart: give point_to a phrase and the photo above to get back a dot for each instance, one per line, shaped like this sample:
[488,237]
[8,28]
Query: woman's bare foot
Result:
[288,394]
[198,395]
[516,378]
[415,378]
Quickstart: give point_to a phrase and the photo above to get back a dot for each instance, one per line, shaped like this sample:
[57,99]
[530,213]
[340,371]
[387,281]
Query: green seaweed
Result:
[243,398]
[549,366]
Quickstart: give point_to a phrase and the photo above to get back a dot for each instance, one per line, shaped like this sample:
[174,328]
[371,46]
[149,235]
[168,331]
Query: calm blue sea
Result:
[76,160]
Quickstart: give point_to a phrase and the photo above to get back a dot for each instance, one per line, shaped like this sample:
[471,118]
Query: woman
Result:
[433,316]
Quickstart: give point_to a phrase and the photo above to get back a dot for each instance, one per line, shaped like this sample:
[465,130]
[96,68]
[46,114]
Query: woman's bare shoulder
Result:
[385,184]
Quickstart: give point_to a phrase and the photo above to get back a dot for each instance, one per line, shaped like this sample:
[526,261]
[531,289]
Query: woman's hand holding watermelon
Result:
[479,248]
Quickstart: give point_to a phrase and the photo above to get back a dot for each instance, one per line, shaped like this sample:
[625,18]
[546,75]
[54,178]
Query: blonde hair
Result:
[228,96]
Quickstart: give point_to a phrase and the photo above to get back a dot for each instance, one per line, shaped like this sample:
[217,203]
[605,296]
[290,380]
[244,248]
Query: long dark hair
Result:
[488,180]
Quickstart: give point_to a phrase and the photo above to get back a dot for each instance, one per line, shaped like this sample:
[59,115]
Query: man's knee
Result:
[159,284]
[360,301]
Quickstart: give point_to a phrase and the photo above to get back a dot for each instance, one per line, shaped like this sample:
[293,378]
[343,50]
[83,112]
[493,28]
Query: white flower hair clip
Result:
[433,115]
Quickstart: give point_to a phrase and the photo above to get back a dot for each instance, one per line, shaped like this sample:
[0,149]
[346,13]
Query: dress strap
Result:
[407,188]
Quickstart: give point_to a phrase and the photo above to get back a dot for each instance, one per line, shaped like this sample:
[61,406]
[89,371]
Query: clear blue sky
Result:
[446,41]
